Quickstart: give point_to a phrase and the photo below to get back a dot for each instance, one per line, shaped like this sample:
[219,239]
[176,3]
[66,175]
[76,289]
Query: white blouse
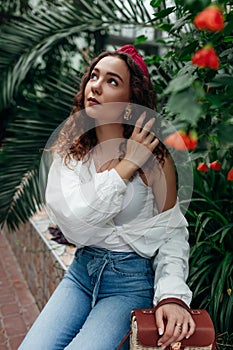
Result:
[91,209]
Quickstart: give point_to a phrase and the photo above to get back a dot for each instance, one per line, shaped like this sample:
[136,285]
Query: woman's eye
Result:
[113,82]
[93,76]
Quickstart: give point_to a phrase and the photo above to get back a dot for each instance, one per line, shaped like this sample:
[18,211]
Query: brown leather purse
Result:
[144,335]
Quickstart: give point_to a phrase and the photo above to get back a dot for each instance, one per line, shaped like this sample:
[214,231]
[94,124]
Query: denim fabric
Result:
[90,309]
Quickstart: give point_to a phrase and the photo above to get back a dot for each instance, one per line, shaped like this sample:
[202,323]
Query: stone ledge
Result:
[43,262]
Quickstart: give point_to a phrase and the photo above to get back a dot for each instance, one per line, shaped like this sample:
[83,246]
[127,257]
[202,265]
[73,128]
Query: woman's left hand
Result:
[179,324]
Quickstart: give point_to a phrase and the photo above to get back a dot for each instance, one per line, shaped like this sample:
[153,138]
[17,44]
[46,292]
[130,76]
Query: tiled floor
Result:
[17,305]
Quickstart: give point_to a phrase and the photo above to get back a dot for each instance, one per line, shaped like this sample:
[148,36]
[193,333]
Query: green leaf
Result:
[228,39]
[179,23]
[221,80]
[140,39]
[179,83]
[215,101]
[164,13]
[195,5]
[164,26]
[156,3]
[225,133]
[185,105]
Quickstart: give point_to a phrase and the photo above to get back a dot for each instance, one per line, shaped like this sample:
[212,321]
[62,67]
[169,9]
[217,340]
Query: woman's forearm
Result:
[126,169]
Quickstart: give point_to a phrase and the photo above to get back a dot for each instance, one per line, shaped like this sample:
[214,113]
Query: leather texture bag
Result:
[144,335]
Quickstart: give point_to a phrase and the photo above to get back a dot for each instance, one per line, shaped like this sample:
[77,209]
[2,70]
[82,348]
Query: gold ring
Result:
[176,346]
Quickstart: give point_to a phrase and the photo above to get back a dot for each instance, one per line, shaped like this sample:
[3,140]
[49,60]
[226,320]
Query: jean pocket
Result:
[131,268]
[78,253]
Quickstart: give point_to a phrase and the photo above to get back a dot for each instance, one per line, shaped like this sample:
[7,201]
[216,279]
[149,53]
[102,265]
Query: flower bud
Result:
[230,175]
[215,165]
[182,141]
[202,167]
[211,18]
[206,58]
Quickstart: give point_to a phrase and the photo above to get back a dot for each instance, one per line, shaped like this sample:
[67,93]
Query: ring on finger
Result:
[176,346]
[179,324]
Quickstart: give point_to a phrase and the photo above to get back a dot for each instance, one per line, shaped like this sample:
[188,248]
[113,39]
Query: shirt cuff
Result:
[118,181]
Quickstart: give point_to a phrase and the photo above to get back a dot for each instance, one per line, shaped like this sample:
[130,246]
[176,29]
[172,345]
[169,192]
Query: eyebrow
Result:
[110,73]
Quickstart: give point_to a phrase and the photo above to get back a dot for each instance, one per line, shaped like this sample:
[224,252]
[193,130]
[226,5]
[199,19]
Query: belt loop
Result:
[97,284]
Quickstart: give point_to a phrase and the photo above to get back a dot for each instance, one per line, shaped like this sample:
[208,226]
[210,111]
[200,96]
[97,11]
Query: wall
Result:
[42,261]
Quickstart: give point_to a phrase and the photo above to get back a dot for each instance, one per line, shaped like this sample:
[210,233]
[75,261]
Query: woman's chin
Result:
[94,111]
[104,113]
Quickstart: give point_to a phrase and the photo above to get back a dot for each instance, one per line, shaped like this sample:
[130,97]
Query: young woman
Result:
[112,191]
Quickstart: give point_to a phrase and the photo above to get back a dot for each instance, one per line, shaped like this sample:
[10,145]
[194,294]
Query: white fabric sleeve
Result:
[93,201]
[171,268]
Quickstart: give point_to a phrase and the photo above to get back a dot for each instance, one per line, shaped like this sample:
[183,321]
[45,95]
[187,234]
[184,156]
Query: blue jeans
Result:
[90,309]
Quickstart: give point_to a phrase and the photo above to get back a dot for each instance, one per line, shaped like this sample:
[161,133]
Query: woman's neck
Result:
[109,131]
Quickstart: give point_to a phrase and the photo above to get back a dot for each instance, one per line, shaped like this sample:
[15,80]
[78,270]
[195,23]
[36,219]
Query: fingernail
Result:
[159,344]
[187,336]
[160,331]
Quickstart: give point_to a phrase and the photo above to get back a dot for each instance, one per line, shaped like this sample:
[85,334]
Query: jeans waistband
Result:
[98,258]
[99,252]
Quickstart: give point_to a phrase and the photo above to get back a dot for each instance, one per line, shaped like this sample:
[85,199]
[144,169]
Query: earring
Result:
[128,113]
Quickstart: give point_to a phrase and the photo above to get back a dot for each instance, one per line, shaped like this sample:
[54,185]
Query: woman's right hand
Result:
[142,142]
[139,148]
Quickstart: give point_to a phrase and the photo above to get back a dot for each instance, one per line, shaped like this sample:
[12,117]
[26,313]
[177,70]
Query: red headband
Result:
[130,50]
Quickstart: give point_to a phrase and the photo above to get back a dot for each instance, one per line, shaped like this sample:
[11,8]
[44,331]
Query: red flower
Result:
[230,175]
[191,140]
[202,167]
[215,165]
[182,141]
[206,58]
[211,18]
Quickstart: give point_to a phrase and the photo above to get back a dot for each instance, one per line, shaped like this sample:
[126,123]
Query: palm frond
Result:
[20,156]
[23,41]
[18,175]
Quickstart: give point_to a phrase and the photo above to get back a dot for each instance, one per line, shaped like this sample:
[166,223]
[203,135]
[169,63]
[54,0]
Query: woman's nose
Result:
[96,86]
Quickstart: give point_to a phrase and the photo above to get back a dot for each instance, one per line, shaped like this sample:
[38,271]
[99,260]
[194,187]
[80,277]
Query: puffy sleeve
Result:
[171,265]
[80,199]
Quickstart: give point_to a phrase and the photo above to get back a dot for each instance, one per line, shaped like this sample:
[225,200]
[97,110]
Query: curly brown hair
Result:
[78,135]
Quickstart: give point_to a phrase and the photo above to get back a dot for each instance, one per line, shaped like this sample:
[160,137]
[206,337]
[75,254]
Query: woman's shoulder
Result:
[155,170]
[67,161]
[162,179]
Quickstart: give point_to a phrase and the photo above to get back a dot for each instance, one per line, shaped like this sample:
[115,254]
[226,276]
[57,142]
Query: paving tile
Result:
[10,309]
[4,347]
[14,342]
[14,325]
[24,298]
[7,298]
[3,338]
[18,309]
[30,312]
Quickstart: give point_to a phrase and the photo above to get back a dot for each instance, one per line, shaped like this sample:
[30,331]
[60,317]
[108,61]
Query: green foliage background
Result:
[38,46]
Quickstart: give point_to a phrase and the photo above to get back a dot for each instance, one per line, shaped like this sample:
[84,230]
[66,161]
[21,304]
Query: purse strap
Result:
[124,340]
[162,302]
[173,301]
